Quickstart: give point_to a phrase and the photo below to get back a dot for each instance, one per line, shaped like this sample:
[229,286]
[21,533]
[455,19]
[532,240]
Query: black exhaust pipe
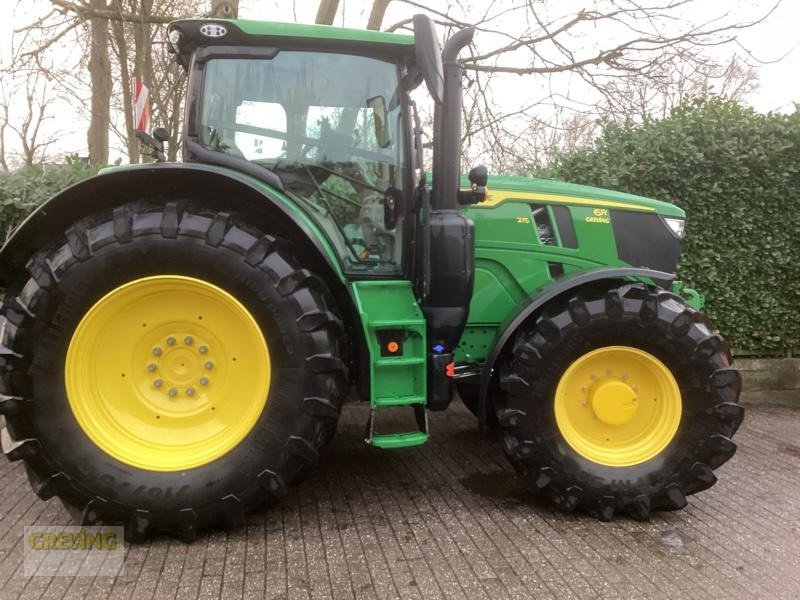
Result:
[451,250]
[447,125]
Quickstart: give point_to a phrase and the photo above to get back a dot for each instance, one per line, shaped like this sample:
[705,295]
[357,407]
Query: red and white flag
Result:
[141,106]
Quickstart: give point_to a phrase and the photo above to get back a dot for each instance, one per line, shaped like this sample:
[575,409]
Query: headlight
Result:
[175,39]
[676,226]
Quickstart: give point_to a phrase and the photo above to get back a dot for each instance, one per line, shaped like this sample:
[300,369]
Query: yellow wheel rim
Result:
[618,406]
[167,373]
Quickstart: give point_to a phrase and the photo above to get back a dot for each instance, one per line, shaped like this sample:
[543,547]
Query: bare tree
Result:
[654,97]
[24,111]
[4,120]
[225,9]
[125,41]
[100,76]
[618,59]
[377,13]
[326,12]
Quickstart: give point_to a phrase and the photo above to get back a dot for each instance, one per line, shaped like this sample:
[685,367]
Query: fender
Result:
[535,301]
[212,186]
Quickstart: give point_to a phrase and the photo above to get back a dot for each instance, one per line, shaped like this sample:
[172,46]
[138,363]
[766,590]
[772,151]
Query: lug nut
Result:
[170,341]
[172,392]
[209,365]
[156,351]
[158,383]
[188,340]
[204,381]
[203,349]
[190,391]
[152,367]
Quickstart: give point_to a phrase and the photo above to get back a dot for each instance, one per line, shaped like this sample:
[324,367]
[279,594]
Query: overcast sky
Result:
[779,84]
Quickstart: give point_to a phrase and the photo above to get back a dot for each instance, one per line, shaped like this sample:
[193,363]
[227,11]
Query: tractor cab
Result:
[330,120]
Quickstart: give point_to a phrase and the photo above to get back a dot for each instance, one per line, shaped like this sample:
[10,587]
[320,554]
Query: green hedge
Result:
[737,174]
[23,190]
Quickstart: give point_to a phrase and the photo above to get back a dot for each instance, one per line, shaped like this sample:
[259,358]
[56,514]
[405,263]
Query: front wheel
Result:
[622,401]
[169,369]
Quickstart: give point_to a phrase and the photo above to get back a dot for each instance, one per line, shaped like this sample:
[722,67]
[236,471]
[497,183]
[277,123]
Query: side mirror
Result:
[478,177]
[161,134]
[380,119]
[429,56]
[392,206]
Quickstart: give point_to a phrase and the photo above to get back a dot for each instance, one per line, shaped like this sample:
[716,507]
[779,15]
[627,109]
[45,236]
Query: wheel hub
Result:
[167,373]
[614,402]
[618,406]
[181,367]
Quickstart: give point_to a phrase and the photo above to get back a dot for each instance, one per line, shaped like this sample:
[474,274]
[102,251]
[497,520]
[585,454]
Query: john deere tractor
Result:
[177,339]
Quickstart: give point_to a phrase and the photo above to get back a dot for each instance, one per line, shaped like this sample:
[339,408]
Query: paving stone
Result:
[450,520]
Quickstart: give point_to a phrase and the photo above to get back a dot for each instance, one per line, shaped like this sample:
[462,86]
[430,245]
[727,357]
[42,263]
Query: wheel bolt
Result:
[584,389]
[172,392]
[209,365]
[156,351]
[204,381]
[188,340]
[190,391]
[203,349]
[170,341]
[152,367]
[158,383]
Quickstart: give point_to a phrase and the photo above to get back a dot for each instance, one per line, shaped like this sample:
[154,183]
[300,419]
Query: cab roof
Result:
[197,33]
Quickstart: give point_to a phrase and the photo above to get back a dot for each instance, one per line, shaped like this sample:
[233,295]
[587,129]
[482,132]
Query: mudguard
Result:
[539,298]
[216,187]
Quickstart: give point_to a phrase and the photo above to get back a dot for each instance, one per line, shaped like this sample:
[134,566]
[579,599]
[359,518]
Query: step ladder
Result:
[394,328]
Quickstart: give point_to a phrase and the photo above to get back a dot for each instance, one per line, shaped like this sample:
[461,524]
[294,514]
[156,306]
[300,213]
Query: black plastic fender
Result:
[215,187]
[539,298]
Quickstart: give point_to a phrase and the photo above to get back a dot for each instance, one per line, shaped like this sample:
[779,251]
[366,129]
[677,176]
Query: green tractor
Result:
[177,340]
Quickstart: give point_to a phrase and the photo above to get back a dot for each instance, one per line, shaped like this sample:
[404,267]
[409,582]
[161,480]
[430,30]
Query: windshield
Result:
[329,125]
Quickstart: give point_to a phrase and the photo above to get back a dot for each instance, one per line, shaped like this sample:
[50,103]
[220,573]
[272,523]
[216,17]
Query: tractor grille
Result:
[643,240]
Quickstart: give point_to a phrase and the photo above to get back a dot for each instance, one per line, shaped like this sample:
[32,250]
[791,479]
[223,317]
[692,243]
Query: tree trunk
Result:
[3,125]
[126,83]
[377,13]
[225,9]
[326,12]
[100,77]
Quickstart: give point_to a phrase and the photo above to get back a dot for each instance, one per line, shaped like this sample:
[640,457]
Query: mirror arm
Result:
[156,146]
[418,150]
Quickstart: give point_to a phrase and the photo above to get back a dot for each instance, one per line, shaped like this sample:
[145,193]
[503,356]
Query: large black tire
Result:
[652,320]
[292,307]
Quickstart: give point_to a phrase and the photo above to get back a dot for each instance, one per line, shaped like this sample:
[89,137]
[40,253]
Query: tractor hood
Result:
[503,187]
[582,227]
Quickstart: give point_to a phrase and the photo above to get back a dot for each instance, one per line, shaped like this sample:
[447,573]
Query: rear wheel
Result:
[622,401]
[169,369]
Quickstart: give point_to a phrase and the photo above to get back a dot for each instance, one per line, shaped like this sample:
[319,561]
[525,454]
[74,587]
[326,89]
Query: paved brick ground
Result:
[448,520]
